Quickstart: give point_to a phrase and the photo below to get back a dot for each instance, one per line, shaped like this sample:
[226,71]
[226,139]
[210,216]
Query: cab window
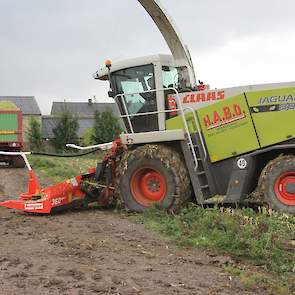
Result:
[170,77]
[136,80]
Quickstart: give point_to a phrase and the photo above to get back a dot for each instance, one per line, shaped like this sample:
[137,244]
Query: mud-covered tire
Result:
[164,167]
[277,182]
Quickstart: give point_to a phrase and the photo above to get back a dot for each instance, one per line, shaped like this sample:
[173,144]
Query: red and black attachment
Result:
[95,186]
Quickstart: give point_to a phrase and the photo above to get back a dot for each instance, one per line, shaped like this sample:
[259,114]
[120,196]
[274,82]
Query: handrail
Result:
[199,131]
[182,111]
[121,95]
[150,113]
[126,110]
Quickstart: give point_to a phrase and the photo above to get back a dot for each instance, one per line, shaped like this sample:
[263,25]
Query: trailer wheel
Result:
[18,162]
[153,174]
[278,184]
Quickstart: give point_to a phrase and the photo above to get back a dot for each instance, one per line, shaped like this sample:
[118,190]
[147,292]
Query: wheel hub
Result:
[148,186]
[285,188]
[154,185]
[290,188]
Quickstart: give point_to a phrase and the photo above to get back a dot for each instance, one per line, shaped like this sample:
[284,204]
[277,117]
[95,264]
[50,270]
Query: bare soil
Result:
[98,252]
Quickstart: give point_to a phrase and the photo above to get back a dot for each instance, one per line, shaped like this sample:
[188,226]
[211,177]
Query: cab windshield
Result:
[170,77]
[136,80]
[133,82]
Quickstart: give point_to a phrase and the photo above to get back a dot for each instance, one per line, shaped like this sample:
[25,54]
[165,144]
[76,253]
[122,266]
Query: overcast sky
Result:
[50,49]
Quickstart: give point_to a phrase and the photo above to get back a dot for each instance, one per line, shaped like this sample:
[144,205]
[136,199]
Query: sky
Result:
[51,48]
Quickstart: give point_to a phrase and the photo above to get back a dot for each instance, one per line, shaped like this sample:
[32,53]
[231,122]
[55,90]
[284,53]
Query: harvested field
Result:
[100,252]
[12,182]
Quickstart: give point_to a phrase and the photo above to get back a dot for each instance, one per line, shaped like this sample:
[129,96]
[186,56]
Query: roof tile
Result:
[82,108]
[27,104]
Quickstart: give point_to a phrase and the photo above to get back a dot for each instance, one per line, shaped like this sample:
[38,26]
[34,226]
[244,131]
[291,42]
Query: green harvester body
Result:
[244,122]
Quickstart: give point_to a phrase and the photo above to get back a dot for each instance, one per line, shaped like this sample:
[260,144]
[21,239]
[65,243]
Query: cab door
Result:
[133,83]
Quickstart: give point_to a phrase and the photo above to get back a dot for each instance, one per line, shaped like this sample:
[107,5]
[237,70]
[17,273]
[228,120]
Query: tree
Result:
[34,134]
[66,130]
[106,126]
[88,137]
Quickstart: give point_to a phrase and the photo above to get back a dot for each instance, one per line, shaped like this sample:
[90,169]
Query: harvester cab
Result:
[141,88]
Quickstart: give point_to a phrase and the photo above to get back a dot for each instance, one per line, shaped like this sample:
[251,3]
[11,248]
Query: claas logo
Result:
[227,115]
[203,96]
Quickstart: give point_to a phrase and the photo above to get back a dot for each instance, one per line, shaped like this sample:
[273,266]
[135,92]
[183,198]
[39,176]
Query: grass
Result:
[58,169]
[265,240]
[252,279]
[261,239]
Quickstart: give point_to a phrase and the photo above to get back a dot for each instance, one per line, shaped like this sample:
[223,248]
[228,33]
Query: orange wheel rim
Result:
[148,186]
[285,188]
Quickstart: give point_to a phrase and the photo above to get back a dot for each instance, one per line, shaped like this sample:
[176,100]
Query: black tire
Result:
[162,162]
[18,162]
[271,180]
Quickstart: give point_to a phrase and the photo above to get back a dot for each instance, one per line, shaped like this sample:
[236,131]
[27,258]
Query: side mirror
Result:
[111,93]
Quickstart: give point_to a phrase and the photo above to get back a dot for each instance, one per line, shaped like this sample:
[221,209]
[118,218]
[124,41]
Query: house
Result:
[29,108]
[84,111]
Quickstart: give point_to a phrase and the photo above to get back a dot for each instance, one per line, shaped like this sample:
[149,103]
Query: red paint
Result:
[195,97]
[172,105]
[186,99]
[20,129]
[211,96]
[281,186]
[33,186]
[207,121]
[148,186]
[227,115]
[237,110]
[216,117]
[37,200]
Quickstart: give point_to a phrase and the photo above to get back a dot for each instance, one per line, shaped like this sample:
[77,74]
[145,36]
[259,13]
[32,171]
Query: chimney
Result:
[89,101]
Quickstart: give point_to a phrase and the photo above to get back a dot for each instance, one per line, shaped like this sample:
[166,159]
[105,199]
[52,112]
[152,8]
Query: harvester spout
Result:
[166,26]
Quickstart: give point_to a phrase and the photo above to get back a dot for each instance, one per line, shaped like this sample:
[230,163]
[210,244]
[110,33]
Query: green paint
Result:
[177,123]
[228,126]
[8,122]
[273,114]
[225,126]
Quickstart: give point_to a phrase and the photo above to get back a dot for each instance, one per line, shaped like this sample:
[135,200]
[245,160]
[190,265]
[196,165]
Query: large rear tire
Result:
[153,174]
[277,182]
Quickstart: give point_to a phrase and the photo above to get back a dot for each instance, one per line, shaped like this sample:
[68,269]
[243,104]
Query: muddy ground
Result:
[98,252]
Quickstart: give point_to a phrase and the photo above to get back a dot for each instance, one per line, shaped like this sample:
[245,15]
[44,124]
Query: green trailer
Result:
[10,134]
